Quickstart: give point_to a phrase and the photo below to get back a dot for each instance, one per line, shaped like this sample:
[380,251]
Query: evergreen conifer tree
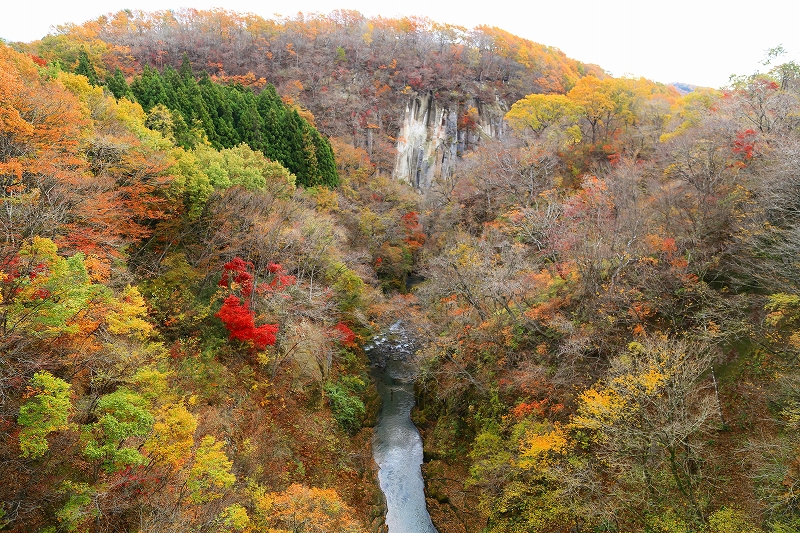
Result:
[85,68]
[118,86]
[185,69]
[149,89]
[229,115]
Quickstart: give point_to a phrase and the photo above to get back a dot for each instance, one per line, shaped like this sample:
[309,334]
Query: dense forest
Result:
[201,231]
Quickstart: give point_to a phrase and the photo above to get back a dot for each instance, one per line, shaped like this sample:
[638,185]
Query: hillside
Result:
[207,215]
[176,323]
[358,76]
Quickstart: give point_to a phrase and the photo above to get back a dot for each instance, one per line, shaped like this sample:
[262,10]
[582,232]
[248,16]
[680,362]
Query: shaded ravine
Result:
[397,445]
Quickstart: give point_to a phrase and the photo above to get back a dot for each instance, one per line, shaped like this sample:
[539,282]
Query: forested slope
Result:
[178,345]
[608,297]
[355,74]
[611,302]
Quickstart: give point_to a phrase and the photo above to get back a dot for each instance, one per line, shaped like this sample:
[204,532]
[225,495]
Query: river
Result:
[397,445]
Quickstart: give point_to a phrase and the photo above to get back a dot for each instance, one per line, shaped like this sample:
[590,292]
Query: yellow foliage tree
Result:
[647,420]
[172,438]
[210,476]
[308,509]
[539,112]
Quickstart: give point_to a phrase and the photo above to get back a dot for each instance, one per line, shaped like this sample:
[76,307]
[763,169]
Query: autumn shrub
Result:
[781,527]
[347,407]
[348,286]
[393,265]
[239,320]
[667,522]
[727,520]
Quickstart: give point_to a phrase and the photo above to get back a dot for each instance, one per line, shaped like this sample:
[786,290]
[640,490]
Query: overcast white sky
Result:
[694,41]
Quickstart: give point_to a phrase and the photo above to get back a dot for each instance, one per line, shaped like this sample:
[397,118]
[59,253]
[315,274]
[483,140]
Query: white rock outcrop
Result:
[432,137]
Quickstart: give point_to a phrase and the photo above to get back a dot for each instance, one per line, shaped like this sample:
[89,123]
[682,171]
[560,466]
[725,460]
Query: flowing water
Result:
[397,445]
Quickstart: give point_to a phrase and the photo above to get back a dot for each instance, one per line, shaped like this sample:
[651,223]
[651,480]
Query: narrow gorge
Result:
[397,445]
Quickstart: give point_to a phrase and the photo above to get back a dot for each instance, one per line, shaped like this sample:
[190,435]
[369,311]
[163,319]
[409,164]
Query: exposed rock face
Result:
[434,133]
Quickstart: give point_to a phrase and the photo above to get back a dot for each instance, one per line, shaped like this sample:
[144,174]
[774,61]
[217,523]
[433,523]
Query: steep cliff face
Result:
[434,133]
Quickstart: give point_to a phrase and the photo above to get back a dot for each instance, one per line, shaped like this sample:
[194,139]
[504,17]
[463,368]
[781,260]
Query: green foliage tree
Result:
[53,293]
[123,421]
[46,411]
[191,183]
[78,510]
